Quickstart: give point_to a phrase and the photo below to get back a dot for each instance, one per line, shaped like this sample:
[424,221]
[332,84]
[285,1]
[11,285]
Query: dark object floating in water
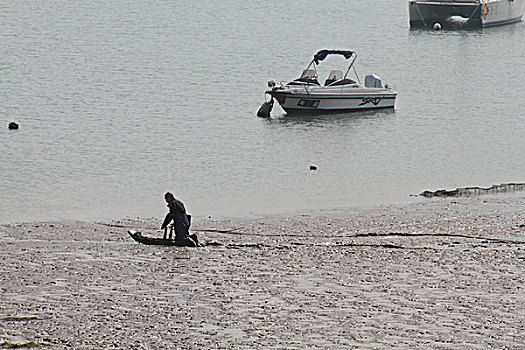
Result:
[313,167]
[137,236]
[12,126]
[265,109]
[475,191]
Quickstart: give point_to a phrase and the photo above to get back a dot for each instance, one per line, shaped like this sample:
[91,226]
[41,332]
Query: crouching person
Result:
[181,222]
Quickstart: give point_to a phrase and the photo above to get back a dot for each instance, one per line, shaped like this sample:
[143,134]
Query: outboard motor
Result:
[265,109]
[373,81]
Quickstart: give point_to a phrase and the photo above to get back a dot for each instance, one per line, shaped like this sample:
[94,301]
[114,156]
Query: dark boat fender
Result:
[265,109]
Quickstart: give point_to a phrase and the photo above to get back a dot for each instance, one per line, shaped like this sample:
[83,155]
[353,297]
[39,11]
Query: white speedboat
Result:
[338,93]
[480,13]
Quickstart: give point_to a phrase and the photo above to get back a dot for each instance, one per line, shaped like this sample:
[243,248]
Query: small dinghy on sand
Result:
[191,241]
[137,236]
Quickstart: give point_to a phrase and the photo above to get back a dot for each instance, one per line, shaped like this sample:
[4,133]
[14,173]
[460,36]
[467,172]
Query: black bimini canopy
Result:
[321,55]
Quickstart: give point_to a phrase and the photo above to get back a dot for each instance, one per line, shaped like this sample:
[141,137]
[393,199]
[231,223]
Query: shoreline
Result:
[442,273]
[472,193]
[89,215]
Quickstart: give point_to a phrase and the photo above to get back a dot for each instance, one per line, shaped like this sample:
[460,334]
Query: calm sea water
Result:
[120,101]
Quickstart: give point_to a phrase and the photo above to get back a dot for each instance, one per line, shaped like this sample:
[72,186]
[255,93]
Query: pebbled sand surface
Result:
[442,274]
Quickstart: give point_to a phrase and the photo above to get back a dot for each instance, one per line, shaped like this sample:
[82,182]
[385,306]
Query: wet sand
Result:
[442,274]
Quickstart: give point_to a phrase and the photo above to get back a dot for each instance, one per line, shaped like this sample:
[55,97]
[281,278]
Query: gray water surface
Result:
[120,101]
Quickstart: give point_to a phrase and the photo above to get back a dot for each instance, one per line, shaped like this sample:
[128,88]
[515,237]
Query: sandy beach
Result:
[440,274]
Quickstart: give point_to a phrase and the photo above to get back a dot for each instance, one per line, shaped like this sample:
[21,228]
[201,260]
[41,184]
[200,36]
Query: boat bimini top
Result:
[335,77]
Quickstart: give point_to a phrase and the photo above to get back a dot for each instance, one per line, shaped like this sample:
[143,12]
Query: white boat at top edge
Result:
[483,13]
[338,93]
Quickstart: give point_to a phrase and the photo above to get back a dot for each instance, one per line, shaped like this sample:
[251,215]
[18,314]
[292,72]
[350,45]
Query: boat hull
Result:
[483,13]
[501,12]
[303,102]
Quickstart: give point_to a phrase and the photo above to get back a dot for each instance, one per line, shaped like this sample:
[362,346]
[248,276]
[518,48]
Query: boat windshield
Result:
[308,77]
[304,81]
[342,82]
[309,74]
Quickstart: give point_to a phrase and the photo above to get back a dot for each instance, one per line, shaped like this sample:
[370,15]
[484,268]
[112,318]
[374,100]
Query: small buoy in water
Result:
[265,109]
[313,167]
[12,126]
[437,26]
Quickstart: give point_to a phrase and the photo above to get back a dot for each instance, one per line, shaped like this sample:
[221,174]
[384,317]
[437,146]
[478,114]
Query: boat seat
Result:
[334,75]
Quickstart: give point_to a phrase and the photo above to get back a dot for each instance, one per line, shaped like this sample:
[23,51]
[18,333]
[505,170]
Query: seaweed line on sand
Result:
[19,318]
[11,345]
